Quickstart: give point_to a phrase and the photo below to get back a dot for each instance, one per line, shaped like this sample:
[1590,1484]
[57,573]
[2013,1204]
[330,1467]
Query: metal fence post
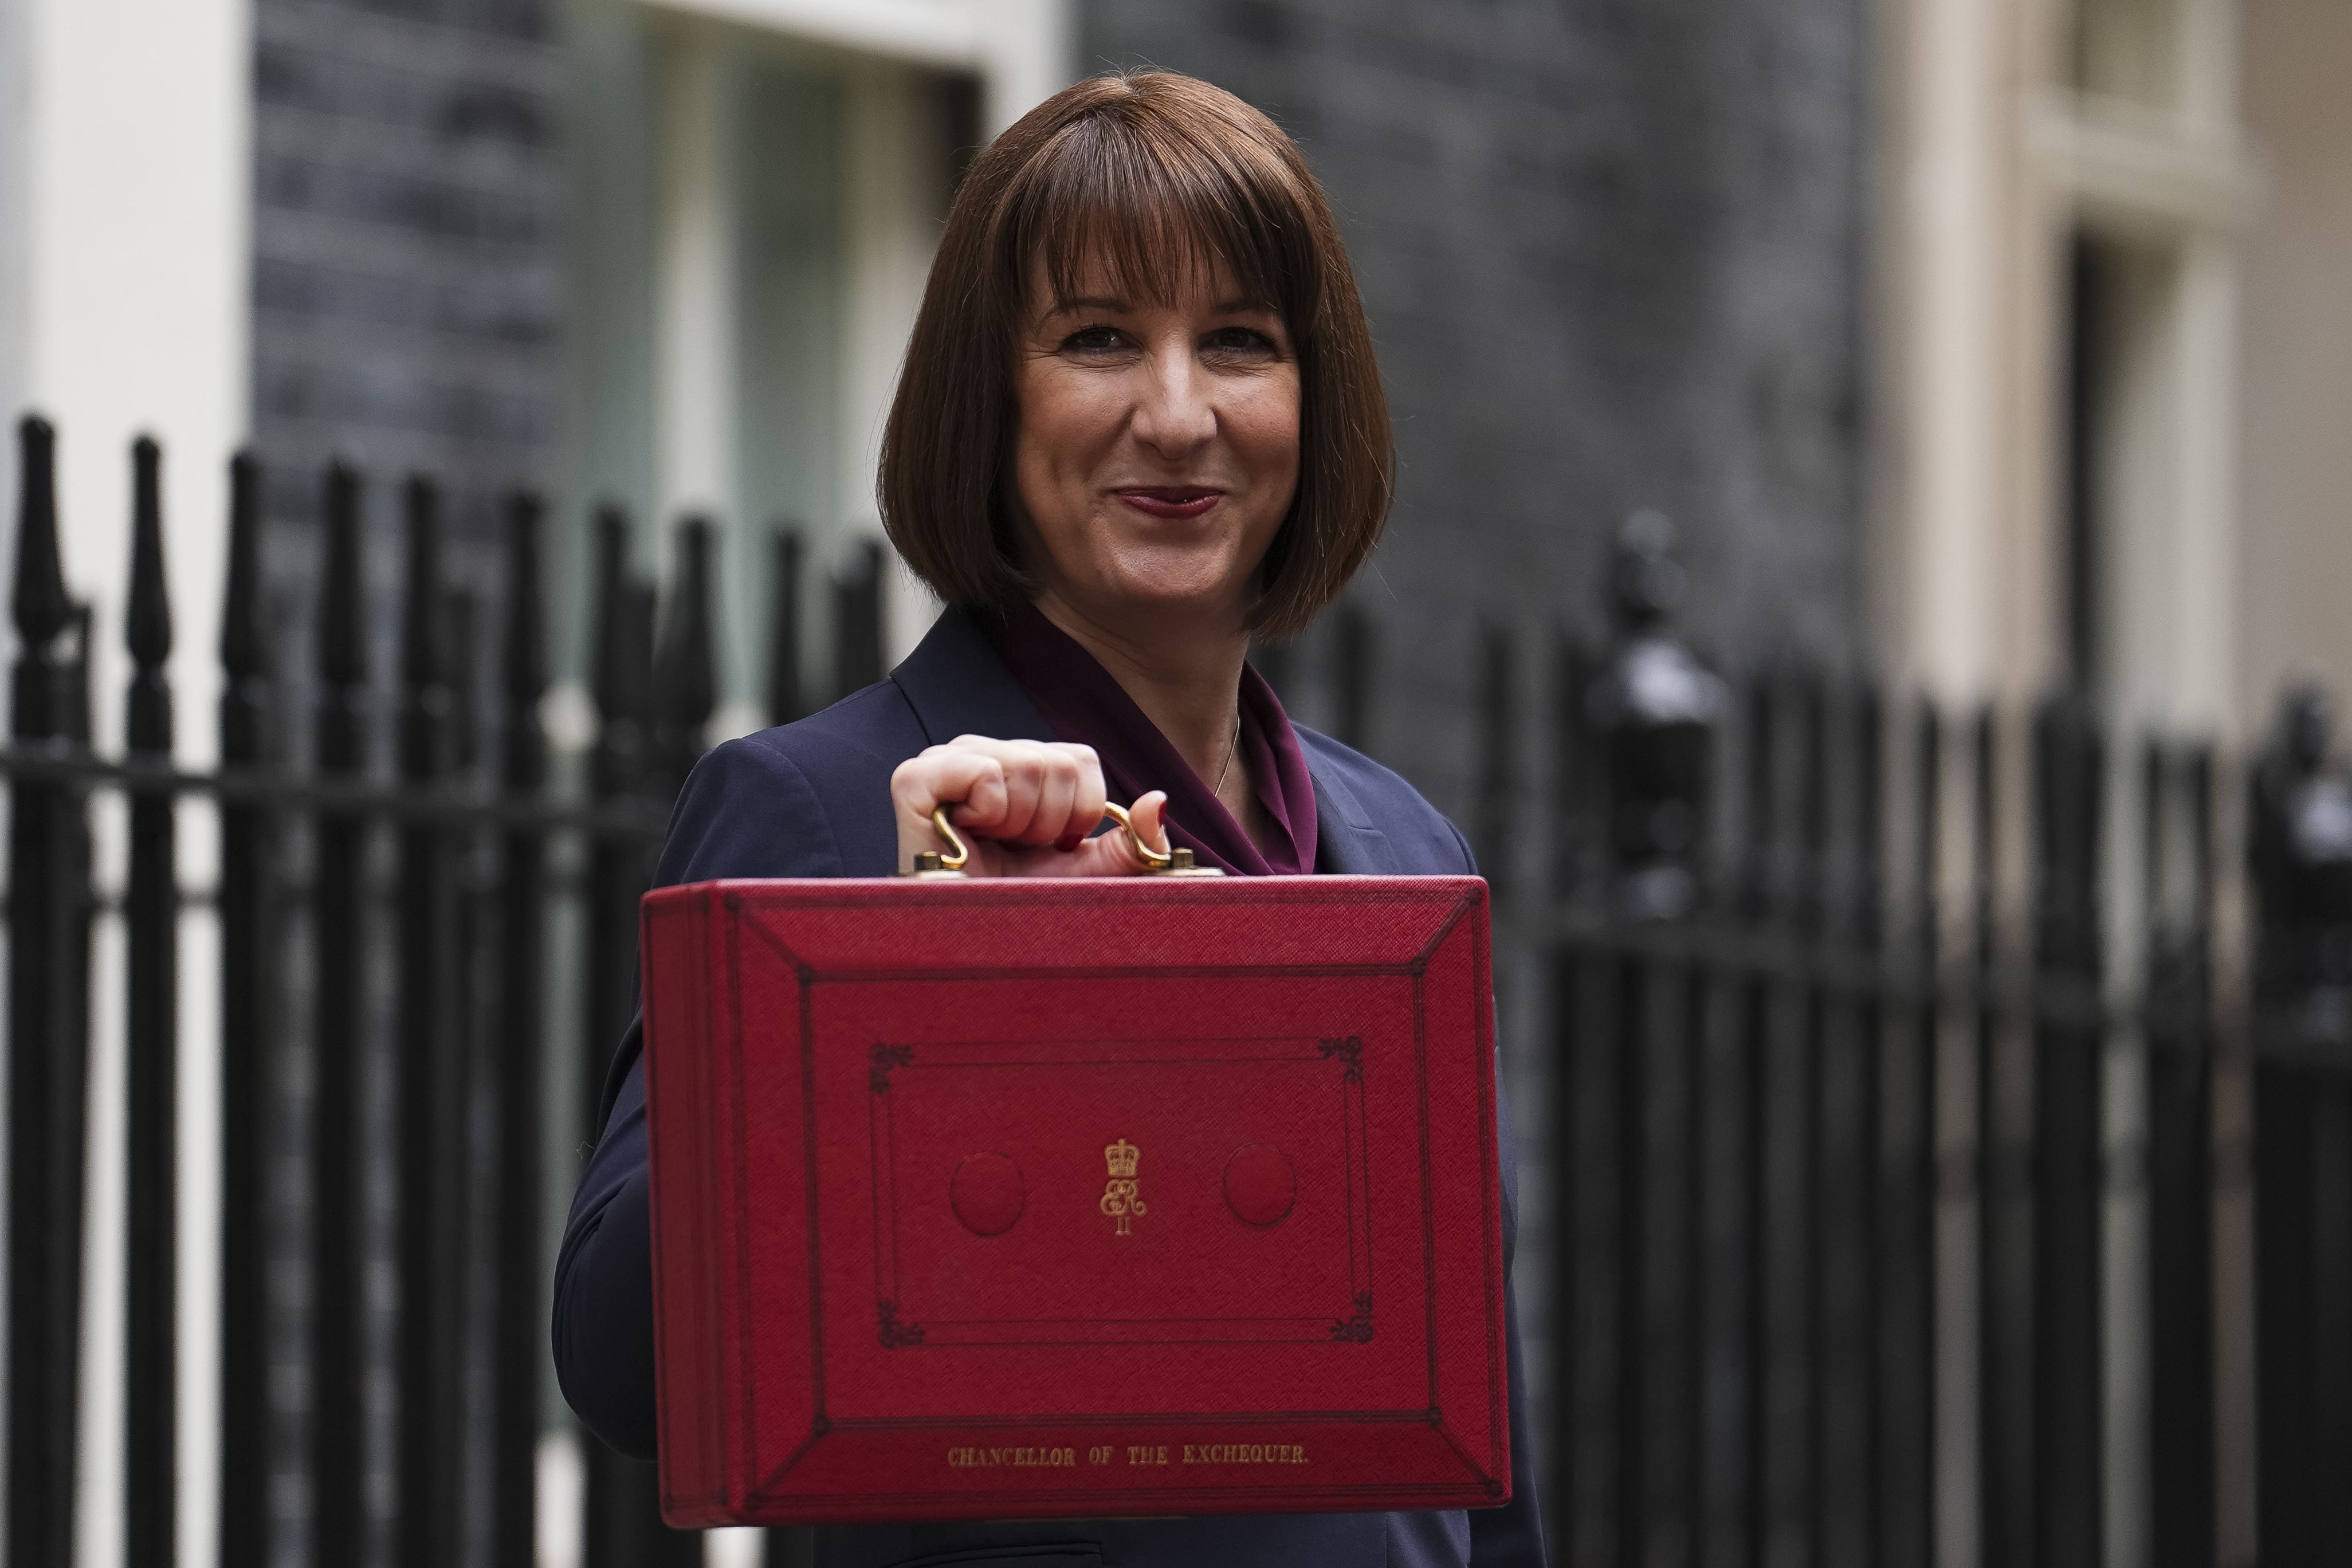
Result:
[621,662]
[2178,809]
[517,1044]
[2067,1165]
[249,957]
[432,1153]
[150,1475]
[49,1030]
[624,1527]
[338,1153]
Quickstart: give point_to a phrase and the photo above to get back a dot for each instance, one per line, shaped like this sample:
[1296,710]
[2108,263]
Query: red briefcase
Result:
[1016,1199]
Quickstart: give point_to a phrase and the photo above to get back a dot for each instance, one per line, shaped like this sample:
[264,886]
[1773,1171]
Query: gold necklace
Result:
[1218,789]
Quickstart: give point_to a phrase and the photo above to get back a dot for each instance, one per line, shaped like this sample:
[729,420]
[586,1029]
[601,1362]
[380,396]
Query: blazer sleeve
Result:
[1511,1535]
[746,811]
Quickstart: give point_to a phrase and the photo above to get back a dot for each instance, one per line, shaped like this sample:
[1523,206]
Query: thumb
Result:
[1149,815]
[1111,854]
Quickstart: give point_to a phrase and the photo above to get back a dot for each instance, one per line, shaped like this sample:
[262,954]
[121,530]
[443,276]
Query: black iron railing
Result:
[1856,1036]
[385,919]
[1870,1031]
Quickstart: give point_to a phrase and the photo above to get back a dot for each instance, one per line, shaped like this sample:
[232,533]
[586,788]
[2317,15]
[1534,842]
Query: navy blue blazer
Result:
[813,798]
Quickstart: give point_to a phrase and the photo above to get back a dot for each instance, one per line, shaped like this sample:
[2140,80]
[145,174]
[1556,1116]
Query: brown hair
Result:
[1155,173]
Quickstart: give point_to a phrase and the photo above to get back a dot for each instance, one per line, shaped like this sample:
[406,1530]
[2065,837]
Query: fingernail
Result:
[1069,841]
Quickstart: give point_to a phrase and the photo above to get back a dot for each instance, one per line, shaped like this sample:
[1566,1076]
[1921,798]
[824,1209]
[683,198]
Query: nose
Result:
[1174,412]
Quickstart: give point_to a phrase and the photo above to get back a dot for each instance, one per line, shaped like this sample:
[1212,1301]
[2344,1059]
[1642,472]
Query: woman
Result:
[1139,422]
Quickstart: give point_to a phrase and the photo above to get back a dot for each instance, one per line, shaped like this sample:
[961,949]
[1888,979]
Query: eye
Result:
[1243,341]
[1093,341]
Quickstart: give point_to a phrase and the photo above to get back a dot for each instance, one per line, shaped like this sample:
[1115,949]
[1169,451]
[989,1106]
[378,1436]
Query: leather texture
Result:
[810,800]
[1142,1195]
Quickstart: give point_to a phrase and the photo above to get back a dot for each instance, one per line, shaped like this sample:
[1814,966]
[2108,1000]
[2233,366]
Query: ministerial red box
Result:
[1015,1199]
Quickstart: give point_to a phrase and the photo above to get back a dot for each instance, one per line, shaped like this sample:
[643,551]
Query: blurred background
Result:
[1868,466]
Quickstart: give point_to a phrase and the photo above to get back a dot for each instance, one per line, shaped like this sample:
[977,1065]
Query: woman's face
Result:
[1157,449]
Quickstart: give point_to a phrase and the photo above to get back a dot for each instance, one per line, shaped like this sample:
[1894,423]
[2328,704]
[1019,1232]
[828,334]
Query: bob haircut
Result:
[1156,175]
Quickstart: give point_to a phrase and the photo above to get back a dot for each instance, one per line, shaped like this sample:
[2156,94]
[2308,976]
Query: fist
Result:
[1027,808]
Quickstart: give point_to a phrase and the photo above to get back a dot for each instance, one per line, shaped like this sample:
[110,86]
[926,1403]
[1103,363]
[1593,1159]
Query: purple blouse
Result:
[1082,701]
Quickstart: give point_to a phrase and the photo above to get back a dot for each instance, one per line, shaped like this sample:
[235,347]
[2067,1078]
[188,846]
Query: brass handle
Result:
[1175,861]
[958,850]
[1151,859]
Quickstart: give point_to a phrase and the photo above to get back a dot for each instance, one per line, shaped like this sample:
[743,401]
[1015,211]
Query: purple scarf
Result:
[1080,701]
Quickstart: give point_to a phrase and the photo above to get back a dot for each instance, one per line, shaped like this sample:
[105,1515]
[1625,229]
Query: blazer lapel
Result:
[1347,844]
[957,685]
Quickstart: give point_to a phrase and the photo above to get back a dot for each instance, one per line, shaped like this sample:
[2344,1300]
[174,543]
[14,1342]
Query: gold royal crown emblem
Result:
[1122,1195]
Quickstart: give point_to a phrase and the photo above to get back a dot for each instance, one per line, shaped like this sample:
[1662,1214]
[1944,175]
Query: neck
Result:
[1187,680]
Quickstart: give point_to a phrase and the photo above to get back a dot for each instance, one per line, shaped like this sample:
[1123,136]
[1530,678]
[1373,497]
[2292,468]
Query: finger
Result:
[1025,767]
[1149,815]
[921,784]
[972,780]
[1086,809]
[1058,799]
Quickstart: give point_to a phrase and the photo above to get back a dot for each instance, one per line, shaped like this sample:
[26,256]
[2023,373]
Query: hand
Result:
[1025,808]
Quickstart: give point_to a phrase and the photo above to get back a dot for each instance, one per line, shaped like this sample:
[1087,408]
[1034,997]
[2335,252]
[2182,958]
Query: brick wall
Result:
[1612,254]
[406,265]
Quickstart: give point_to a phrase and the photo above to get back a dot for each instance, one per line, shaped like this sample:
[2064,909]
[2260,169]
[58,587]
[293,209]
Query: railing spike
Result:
[857,620]
[621,663]
[424,644]
[685,678]
[149,629]
[523,665]
[461,619]
[42,606]
[342,619]
[786,699]
[244,646]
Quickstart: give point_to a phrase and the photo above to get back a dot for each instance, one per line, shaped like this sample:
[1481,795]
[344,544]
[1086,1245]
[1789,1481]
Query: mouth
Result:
[1169,503]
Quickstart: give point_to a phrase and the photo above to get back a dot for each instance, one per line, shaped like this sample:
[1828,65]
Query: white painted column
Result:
[1942,567]
[1026,57]
[125,264]
[694,285]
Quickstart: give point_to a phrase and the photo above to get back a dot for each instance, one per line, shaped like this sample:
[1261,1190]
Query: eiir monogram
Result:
[1121,1197]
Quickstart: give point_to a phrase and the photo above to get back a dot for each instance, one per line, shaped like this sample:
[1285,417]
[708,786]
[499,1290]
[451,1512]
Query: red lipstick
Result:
[1171,503]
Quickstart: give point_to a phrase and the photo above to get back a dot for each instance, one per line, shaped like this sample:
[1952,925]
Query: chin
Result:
[1164,576]
[1161,596]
